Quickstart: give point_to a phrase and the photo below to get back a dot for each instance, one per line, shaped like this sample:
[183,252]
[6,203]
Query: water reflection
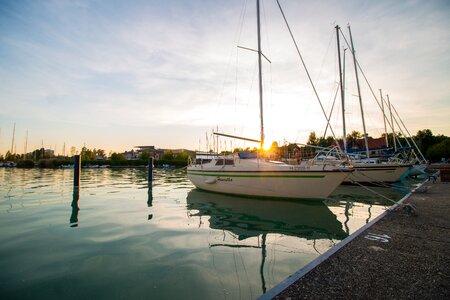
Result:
[247,217]
[75,208]
[150,200]
[212,247]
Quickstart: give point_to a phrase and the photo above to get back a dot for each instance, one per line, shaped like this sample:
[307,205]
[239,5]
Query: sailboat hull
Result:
[314,184]
[417,170]
[377,173]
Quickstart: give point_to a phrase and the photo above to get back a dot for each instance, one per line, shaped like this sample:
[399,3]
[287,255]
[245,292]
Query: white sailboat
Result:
[252,175]
[367,170]
[373,171]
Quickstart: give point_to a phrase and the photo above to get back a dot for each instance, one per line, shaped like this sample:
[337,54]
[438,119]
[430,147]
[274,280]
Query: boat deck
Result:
[403,254]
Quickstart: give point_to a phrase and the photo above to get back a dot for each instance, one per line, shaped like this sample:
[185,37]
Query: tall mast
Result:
[392,122]
[260,75]
[384,120]
[12,142]
[342,88]
[359,92]
[26,144]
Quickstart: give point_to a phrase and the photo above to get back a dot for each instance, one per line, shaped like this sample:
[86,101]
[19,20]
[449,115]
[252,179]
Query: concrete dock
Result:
[403,254]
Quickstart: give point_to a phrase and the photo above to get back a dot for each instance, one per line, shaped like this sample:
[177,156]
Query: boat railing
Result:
[202,158]
[330,156]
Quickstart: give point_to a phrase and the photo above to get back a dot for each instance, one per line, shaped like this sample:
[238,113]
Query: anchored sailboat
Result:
[251,175]
[367,170]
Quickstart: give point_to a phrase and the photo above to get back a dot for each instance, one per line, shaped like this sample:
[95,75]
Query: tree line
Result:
[43,159]
[434,147]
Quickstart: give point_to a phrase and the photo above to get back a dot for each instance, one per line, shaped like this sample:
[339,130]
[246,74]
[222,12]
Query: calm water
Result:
[116,240]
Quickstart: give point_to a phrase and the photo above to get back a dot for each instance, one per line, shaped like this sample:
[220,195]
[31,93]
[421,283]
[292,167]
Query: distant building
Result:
[154,152]
[177,151]
[131,155]
[49,152]
[376,146]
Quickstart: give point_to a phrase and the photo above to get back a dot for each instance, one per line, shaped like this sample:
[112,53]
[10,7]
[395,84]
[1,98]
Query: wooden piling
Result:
[150,172]
[77,171]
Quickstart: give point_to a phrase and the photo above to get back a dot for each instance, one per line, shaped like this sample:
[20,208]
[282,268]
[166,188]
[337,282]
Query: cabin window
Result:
[221,162]
[200,161]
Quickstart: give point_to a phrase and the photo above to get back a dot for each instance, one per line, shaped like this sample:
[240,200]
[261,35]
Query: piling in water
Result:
[77,171]
[150,172]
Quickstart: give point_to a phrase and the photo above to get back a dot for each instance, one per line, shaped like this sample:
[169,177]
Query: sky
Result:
[118,74]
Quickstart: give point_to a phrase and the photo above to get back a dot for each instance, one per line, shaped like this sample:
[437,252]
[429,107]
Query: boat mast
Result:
[12,142]
[342,88]
[26,144]
[260,75]
[384,120]
[392,122]
[359,92]
[409,134]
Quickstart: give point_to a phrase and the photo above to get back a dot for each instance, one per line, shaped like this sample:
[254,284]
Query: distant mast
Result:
[26,144]
[384,120]
[12,142]
[394,137]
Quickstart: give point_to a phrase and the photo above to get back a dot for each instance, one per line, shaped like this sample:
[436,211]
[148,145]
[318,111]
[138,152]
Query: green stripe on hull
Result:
[256,175]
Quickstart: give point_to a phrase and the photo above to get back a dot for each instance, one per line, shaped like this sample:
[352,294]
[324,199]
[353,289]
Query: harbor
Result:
[118,236]
[402,254]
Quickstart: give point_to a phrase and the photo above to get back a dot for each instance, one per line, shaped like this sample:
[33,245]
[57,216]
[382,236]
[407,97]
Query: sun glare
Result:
[267,146]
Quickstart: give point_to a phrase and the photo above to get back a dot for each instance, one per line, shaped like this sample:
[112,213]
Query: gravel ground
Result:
[403,256]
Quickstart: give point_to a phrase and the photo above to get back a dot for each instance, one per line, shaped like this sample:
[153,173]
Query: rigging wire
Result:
[326,54]
[238,39]
[331,112]
[246,273]
[237,36]
[364,76]
[306,70]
